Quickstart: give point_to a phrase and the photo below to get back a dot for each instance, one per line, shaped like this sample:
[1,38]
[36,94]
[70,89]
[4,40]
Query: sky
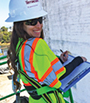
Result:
[4,10]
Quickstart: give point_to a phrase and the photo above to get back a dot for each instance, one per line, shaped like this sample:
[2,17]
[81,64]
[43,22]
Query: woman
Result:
[39,68]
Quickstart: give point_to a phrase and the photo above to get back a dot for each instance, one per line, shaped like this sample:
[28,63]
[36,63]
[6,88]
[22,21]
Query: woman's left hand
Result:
[64,56]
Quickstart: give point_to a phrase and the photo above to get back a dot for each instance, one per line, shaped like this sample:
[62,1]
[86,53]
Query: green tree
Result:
[1,35]
[5,36]
[3,28]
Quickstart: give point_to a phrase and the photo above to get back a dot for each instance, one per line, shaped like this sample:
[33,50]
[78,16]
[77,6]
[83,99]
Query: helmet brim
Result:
[24,17]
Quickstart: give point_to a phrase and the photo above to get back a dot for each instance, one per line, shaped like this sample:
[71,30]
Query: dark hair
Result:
[18,32]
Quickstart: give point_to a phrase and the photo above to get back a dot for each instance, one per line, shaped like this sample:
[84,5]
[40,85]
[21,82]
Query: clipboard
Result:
[77,74]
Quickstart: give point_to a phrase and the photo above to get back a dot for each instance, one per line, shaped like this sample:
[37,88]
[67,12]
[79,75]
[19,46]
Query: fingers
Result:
[64,56]
[65,53]
[84,59]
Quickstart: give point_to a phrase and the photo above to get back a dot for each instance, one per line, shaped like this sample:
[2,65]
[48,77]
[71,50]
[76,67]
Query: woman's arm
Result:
[72,65]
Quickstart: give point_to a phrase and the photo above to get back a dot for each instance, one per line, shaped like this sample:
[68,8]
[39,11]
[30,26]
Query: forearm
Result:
[71,66]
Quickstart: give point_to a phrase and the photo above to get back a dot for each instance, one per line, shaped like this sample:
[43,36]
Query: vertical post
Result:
[71,97]
[18,97]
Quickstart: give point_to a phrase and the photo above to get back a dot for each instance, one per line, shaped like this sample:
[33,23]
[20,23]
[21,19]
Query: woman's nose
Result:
[38,24]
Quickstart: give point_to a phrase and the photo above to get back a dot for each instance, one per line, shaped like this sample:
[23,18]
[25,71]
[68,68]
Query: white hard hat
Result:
[24,9]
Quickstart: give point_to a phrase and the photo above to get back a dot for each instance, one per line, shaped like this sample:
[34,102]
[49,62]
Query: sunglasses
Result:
[33,22]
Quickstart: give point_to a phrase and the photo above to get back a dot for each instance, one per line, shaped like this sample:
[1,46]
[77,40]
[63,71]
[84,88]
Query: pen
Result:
[62,52]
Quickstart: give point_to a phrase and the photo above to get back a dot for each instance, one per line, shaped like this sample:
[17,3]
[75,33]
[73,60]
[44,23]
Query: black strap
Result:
[36,85]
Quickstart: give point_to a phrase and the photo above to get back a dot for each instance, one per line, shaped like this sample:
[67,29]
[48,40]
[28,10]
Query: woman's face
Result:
[33,30]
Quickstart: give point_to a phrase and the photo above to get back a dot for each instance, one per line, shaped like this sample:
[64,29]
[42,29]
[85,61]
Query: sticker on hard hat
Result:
[32,6]
[31,1]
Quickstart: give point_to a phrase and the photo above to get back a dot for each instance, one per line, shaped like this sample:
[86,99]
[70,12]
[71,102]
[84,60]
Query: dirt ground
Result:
[6,88]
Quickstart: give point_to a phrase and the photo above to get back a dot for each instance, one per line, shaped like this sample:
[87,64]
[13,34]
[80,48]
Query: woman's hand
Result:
[64,56]
[84,59]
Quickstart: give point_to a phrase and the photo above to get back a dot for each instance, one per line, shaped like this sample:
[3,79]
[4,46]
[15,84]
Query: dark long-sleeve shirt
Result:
[71,66]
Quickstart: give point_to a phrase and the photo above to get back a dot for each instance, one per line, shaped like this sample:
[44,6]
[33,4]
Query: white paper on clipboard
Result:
[75,75]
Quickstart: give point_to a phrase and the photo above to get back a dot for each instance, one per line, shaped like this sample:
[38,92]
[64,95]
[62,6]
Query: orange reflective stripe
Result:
[27,84]
[33,71]
[23,64]
[60,70]
[31,57]
[22,56]
[46,73]
[53,83]
[31,62]
[54,61]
